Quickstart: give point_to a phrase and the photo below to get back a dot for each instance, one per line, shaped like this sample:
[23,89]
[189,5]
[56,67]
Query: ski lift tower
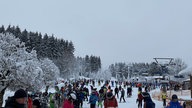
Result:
[164,62]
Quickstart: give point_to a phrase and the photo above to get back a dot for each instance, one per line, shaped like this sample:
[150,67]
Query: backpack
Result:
[150,104]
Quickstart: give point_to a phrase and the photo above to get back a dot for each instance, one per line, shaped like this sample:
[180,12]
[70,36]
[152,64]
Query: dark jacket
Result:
[122,93]
[116,90]
[11,103]
[148,103]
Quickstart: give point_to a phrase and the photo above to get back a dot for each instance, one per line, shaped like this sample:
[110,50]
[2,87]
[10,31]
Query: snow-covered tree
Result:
[187,72]
[18,68]
[50,72]
[177,65]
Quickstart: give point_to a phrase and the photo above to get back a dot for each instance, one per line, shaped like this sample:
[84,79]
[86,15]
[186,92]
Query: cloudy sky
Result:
[116,30]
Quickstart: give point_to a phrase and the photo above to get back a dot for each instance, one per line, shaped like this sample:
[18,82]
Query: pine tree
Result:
[2,29]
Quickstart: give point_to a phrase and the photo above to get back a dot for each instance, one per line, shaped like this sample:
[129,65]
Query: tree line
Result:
[123,70]
[60,51]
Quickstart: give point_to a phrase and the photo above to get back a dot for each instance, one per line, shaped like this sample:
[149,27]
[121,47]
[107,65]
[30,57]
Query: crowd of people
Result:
[74,94]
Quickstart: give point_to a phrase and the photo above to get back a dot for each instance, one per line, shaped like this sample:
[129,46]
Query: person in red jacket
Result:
[139,97]
[110,101]
[68,103]
[30,102]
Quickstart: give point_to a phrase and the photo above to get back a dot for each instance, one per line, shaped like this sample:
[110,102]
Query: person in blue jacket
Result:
[93,99]
[174,103]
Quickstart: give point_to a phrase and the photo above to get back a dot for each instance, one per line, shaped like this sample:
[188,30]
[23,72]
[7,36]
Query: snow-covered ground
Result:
[130,102]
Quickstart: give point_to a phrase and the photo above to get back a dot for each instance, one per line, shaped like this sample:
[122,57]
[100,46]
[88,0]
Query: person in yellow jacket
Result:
[164,97]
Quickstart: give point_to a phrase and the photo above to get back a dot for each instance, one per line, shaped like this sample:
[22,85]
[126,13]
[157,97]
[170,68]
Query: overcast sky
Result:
[116,30]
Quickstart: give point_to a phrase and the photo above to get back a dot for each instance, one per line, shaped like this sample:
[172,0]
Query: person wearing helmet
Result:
[110,101]
[174,103]
[68,103]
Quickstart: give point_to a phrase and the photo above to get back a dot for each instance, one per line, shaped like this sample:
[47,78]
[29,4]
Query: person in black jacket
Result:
[18,100]
[122,95]
[129,91]
[148,103]
[117,91]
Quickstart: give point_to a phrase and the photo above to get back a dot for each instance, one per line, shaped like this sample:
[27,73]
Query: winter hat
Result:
[109,95]
[20,94]
[36,103]
[174,96]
